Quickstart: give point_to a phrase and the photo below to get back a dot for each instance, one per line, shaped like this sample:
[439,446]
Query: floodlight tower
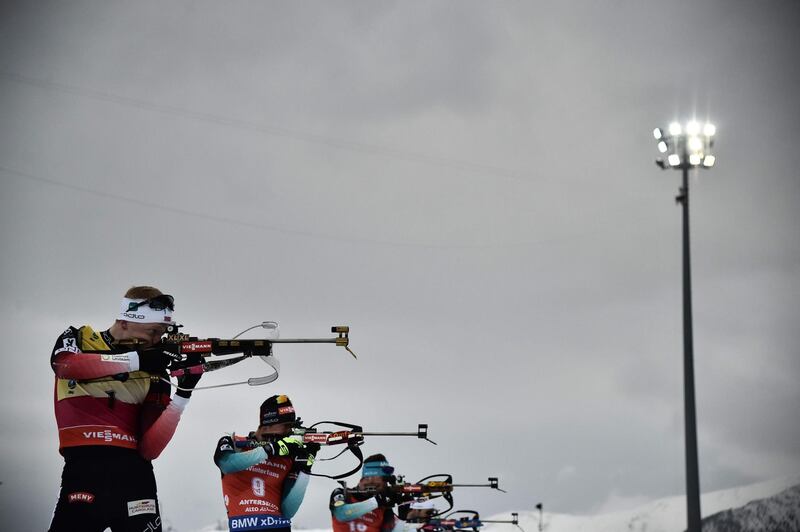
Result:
[688,146]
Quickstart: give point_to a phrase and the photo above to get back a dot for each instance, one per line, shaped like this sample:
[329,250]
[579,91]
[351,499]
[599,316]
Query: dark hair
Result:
[376,458]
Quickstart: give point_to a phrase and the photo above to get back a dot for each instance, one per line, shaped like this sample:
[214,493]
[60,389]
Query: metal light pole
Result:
[688,147]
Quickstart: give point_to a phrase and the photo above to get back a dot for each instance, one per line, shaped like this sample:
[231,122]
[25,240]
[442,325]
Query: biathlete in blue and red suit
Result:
[114,416]
[265,474]
[367,513]
[420,512]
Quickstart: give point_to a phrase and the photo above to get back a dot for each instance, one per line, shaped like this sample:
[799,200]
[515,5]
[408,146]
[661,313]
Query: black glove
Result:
[311,449]
[306,456]
[153,360]
[189,380]
[385,498]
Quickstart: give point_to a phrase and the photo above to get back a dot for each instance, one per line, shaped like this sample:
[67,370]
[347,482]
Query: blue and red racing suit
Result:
[260,492]
[350,514]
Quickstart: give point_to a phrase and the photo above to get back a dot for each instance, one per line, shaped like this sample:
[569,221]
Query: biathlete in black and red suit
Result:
[114,416]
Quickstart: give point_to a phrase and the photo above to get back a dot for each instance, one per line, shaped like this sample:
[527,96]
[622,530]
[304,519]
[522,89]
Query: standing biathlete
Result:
[114,416]
[366,512]
[265,474]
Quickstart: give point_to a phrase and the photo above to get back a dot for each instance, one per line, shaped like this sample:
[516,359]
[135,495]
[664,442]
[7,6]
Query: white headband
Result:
[144,314]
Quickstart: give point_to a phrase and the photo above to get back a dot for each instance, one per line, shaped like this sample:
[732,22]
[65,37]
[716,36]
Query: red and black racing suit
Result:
[112,421]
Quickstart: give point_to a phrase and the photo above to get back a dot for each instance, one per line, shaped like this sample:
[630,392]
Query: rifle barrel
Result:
[415,434]
[304,341]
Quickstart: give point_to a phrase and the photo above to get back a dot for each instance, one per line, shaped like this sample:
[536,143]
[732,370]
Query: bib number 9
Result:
[258,487]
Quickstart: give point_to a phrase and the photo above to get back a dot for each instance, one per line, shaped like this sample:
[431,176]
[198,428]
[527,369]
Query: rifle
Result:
[352,436]
[403,493]
[190,354]
[470,521]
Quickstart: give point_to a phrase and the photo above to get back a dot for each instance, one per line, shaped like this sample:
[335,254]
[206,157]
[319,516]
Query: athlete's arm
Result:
[229,461]
[344,512]
[156,438]
[159,419]
[293,493]
[69,362]
[403,526]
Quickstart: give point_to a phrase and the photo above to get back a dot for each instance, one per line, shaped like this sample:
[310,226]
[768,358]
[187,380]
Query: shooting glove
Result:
[153,360]
[385,498]
[290,445]
[307,456]
[189,380]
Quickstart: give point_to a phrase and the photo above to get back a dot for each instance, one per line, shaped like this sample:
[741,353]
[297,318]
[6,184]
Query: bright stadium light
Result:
[689,145]
[686,149]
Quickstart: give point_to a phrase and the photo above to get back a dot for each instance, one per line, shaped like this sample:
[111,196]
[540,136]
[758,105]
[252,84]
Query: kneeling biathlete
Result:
[265,475]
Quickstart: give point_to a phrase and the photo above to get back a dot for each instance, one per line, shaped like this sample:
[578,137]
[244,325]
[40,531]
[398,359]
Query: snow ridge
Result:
[780,512]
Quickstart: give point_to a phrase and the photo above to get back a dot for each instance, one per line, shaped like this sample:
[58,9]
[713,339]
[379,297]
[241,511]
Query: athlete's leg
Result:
[137,505]
[81,503]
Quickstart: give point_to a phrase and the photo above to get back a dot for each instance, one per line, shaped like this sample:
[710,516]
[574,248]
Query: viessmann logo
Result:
[108,436]
[196,347]
[315,438]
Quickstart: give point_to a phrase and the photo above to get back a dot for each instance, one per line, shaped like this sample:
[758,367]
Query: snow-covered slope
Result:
[779,512]
[662,515]
[756,505]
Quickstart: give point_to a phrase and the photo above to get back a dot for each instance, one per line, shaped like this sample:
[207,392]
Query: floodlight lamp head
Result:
[687,145]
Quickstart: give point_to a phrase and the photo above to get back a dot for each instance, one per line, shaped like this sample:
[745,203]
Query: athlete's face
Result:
[422,515]
[149,333]
[278,430]
[376,483]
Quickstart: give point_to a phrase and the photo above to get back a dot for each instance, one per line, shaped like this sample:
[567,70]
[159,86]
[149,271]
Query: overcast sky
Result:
[468,184]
